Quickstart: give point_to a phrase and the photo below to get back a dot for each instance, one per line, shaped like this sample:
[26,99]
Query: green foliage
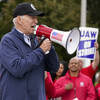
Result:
[6,20]
[93,14]
[93,18]
[59,14]
[62,15]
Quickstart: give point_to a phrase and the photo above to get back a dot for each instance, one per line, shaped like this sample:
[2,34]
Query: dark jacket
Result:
[22,69]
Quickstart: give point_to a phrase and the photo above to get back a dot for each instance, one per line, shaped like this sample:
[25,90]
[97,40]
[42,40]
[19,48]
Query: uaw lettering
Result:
[88,34]
[86,47]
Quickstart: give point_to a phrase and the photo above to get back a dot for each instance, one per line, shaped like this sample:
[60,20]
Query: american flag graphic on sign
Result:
[57,36]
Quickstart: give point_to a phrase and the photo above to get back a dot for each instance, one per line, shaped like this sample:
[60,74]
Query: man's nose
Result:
[35,20]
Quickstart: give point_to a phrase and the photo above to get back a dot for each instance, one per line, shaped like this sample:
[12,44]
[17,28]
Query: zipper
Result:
[75,89]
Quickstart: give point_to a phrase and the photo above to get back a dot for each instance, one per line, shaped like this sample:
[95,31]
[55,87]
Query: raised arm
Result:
[95,62]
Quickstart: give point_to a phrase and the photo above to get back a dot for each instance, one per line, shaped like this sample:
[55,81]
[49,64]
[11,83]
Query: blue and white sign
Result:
[86,47]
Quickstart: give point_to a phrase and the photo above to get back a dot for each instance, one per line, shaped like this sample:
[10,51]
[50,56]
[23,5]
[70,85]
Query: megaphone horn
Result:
[69,40]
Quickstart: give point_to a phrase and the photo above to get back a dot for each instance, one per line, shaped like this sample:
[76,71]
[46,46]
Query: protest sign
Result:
[86,47]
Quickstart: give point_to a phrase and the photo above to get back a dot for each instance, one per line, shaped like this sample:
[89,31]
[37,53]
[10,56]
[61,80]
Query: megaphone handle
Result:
[40,43]
[47,51]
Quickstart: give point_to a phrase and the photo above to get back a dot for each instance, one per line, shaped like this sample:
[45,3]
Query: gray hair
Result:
[14,19]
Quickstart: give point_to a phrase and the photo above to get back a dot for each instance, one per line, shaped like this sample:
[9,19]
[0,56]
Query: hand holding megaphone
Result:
[69,40]
[46,46]
[41,39]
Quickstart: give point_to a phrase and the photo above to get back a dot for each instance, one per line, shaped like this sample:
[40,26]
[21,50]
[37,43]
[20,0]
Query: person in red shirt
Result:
[74,85]
[89,71]
[50,79]
[97,87]
[99,94]
[49,86]
[92,69]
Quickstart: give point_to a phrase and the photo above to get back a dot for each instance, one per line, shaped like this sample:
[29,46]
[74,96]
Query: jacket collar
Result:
[18,33]
[68,74]
[21,35]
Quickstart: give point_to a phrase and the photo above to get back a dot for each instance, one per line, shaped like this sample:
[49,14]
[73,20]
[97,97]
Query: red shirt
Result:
[89,71]
[73,78]
[83,88]
[97,89]
[50,90]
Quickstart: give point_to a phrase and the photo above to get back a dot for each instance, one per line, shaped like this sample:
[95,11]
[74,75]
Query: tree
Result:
[6,18]
[93,15]
[59,14]
[62,15]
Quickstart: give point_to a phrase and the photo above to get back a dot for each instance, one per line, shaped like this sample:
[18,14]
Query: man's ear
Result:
[19,19]
[69,66]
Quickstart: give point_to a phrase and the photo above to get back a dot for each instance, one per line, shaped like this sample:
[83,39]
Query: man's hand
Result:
[96,45]
[95,62]
[45,74]
[46,45]
[38,38]
[69,86]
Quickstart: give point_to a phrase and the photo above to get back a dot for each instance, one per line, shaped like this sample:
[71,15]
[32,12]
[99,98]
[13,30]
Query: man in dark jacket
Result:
[22,68]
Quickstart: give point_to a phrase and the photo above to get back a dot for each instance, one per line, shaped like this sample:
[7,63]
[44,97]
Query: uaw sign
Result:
[86,47]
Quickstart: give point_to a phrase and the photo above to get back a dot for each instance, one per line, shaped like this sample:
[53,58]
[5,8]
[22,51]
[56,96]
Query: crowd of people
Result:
[31,74]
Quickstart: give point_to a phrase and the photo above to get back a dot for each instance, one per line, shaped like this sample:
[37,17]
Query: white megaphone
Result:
[69,40]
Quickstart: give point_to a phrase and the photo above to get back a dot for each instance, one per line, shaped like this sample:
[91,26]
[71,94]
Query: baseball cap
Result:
[26,9]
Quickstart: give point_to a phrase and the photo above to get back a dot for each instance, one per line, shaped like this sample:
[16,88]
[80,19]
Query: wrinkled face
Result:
[74,65]
[28,24]
[60,71]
